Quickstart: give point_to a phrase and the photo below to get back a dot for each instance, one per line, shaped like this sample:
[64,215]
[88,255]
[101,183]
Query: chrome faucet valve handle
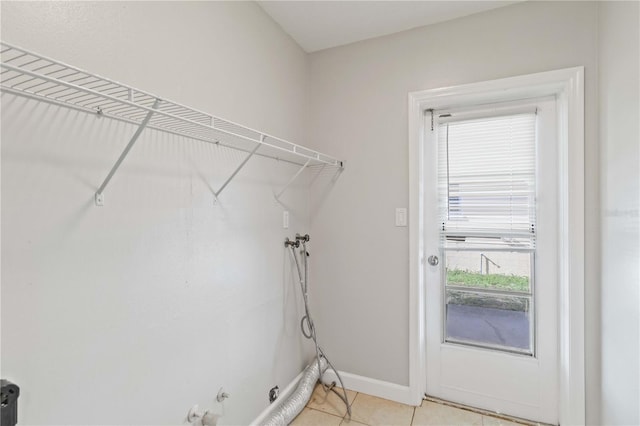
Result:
[289,243]
[222,395]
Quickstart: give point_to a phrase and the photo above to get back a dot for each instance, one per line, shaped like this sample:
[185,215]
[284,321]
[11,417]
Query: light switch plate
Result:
[285,219]
[401,216]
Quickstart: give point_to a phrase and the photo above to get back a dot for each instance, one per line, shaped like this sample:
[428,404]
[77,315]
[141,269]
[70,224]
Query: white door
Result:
[491,208]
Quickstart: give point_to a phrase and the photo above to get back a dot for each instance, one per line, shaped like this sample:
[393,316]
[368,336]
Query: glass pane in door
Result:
[488,299]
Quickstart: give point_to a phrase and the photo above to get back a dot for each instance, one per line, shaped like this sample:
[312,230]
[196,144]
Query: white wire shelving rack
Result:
[38,77]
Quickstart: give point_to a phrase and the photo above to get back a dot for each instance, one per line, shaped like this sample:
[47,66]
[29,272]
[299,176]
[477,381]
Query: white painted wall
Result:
[619,97]
[132,312]
[359,113]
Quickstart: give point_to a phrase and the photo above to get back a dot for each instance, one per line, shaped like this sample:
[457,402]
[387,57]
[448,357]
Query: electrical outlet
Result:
[274,392]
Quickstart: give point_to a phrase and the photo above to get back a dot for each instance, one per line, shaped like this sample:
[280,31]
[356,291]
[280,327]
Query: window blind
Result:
[487,176]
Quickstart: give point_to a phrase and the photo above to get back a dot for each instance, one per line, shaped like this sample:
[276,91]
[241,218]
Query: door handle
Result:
[433,260]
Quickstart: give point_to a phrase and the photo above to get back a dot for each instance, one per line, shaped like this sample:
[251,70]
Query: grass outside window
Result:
[492,281]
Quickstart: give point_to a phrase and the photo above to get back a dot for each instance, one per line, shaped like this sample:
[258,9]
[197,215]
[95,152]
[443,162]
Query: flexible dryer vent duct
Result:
[295,403]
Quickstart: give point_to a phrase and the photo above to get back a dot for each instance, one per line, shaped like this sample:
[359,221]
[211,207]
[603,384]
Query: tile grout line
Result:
[343,417]
[323,412]
[351,405]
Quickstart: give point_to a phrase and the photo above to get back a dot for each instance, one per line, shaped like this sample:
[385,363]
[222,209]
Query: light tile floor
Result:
[328,409]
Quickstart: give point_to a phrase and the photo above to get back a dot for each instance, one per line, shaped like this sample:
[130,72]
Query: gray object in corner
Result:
[9,403]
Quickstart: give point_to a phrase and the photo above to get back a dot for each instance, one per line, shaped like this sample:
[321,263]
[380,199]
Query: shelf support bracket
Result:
[99,198]
[293,178]
[235,172]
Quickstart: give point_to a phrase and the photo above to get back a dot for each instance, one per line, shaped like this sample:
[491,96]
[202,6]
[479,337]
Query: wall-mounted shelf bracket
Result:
[99,197]
[293,178]
[235,172]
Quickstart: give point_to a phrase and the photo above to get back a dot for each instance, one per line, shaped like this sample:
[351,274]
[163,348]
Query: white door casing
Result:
[568,87]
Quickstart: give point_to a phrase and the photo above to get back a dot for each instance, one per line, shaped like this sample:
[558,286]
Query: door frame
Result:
[568,87]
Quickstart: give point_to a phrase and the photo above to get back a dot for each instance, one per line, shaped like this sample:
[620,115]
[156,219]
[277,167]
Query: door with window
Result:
[491,269]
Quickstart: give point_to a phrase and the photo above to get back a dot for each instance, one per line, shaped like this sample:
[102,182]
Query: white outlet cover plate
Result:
[401,216]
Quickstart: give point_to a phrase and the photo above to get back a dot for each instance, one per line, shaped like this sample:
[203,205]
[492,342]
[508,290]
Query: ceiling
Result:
[317,25]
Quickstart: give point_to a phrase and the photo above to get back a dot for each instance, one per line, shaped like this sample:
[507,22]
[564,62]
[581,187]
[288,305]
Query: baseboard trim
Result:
[283,395]
[379,388]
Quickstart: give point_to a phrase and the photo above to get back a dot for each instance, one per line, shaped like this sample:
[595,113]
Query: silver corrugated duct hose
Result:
[295,403]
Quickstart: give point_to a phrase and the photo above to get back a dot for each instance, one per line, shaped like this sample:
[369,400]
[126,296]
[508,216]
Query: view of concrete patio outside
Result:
[486,318]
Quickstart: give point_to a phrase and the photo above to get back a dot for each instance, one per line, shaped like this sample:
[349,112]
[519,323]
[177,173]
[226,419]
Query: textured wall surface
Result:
[132,312]
[359,113]
[136,310]
[619,95]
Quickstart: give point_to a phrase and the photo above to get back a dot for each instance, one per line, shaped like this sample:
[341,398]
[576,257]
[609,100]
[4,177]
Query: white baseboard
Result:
[284,394]
[374,387]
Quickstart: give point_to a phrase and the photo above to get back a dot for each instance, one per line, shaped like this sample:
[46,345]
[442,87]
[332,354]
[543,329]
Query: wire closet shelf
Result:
[34,76]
